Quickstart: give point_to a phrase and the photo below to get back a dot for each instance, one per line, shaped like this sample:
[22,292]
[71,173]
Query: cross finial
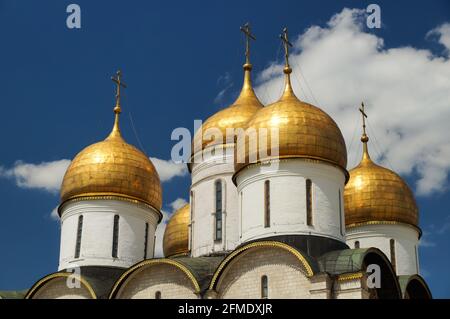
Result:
[119,83]
[284,37]
[246,29]
[364,137]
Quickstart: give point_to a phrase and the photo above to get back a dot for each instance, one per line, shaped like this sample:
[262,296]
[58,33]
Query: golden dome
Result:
[112,168]
[305,131]
[176,235]
[375,194]
[234,116]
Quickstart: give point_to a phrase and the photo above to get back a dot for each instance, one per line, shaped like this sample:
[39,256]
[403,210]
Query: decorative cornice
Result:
[383,222]
[350,276]
[109,196]
[286,158]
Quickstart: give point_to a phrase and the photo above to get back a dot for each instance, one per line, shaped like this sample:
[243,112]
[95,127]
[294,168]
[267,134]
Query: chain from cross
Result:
[284,37]
[246,29]
[119,83]
[364,116]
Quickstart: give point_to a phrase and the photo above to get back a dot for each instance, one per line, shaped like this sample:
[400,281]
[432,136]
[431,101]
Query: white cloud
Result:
[49,175]
[220,96]
[406,91]
[54,214]
[46,175]
[167,169]
[443,34]
[425,240]
[175,205]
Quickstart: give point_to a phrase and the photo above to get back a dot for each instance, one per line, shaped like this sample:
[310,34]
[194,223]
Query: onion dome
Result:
[113,169]
[176,235]
[377,195]
[305,131]
[234,116]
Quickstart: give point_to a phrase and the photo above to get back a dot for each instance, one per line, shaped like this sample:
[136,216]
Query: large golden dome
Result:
[305,131]
[233,117]
[112,168]
[375,194]
[176,235]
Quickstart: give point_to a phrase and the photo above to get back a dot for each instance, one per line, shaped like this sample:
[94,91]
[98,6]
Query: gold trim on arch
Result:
[108,196]
[47,278]
[295,252]
[151,262]
[384,222]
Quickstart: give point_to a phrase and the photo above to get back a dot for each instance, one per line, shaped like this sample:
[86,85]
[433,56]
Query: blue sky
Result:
[183,61]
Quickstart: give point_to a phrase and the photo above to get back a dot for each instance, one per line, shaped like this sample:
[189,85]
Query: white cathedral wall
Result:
[242,277]
[202,235]
[379,236]
[350,289]
[97,233]
[170,281]
[288,200]
[58,289]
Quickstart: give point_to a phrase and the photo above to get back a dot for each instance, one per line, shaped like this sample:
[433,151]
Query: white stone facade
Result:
[57,288]
[167,280]
[205,174]
[97,233]
[242,279]
[288,200]
[405,240]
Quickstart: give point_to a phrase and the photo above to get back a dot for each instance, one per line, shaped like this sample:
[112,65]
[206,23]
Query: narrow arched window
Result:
[356,244]
[393,258]
[417,259]
[158,295]
[146,241]
[240,215]
[79,233]
[264,287]
[309,219]
[115,242]
[340,214]
[218,213]
[267,204]
[191,221]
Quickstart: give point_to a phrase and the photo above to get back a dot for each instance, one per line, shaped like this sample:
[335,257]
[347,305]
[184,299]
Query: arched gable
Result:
[355,261]
[296,257]
[414,287]
[128,275]
[41,284]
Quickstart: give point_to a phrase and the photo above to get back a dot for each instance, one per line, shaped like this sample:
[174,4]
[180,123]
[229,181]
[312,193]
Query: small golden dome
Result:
[112,168]
[305,131]
[234,116]
[375,194]
[176,235]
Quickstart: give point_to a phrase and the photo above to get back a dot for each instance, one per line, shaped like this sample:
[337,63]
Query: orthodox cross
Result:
[287,44]
[119,83]
[248,36]
[364,116]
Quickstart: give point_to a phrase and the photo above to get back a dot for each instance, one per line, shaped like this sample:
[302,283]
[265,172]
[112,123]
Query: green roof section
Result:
[202,268]
[13,294]
[405,280]
[343,261]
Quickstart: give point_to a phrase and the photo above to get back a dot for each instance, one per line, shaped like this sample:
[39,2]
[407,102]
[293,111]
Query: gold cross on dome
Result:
[119,83]
[284,37]
[364,116]
[246,29]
